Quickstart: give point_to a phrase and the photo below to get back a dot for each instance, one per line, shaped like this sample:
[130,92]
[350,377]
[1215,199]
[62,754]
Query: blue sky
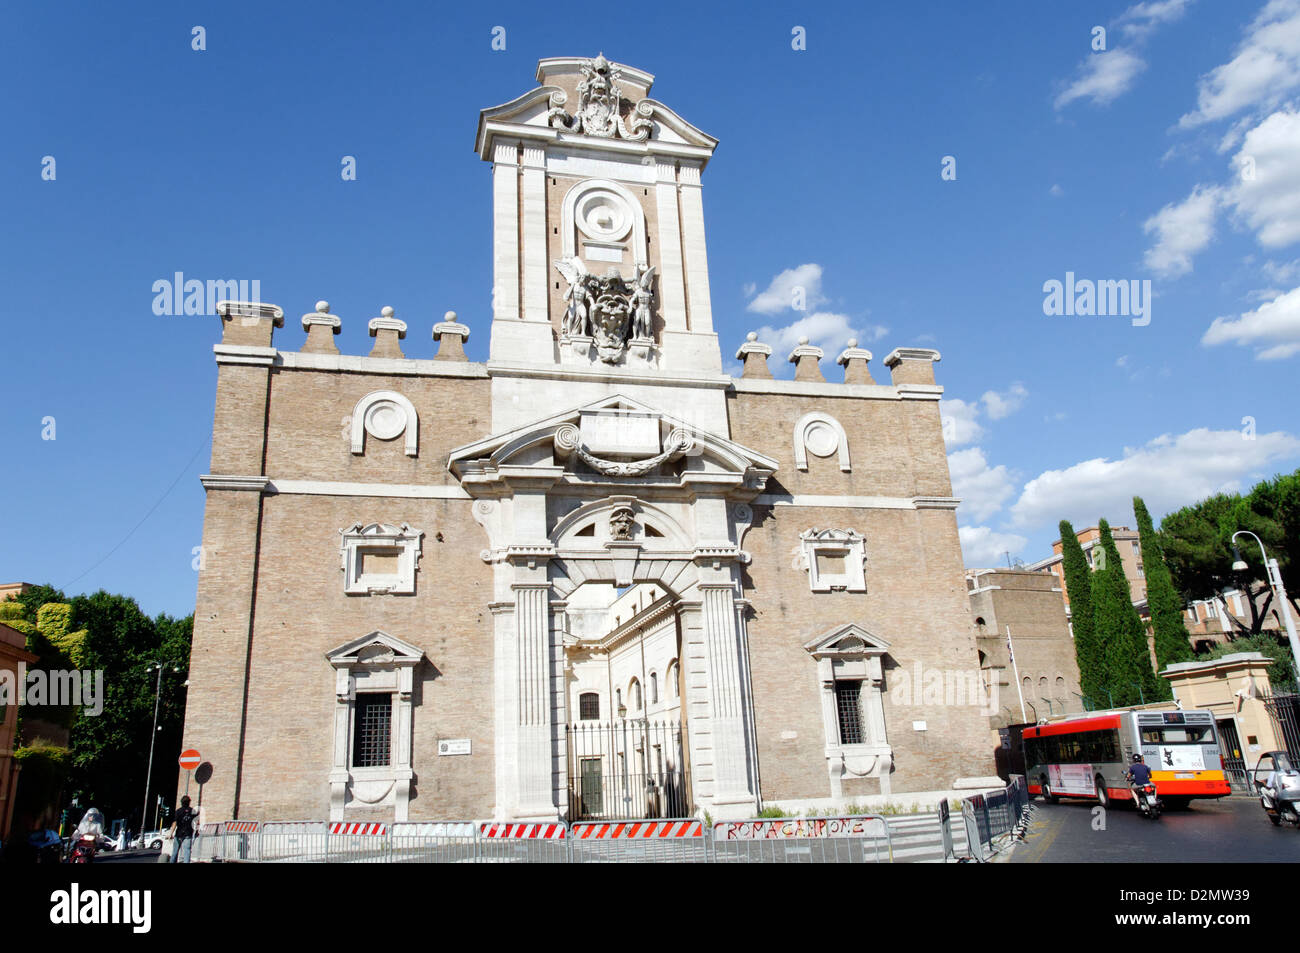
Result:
[1126,164]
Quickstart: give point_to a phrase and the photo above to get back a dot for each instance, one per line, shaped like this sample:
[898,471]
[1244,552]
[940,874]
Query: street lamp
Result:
[1274,576]
[153,738]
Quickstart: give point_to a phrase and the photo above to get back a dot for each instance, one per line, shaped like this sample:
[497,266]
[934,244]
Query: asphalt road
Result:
[1232,829]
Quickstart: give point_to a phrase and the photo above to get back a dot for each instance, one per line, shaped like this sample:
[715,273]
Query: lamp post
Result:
[1274,576]
[153,738]
[627,781]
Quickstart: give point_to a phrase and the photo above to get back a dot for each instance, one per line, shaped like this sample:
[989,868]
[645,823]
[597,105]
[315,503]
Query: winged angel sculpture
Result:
[607,307]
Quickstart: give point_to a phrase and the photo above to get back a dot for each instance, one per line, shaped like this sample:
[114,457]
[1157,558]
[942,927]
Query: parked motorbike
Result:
[1281,802]
[1148,801]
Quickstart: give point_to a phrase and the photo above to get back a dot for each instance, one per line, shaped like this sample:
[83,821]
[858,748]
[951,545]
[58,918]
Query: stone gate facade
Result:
[401,554]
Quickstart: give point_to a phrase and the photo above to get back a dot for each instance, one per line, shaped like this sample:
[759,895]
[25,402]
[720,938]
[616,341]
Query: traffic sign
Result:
[190,759]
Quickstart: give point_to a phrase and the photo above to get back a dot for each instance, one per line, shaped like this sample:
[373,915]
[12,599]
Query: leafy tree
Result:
[1281,674]
[1276,505]
[1197,545]
[1092,673]
[1120,632]
[1172,641]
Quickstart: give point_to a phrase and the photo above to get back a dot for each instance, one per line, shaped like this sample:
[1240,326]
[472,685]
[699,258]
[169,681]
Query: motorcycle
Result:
[1282,801]
[1148,801]
[86,838]
[84,849]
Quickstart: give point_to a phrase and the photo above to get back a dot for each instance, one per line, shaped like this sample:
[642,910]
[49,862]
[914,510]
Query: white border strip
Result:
[404,490]
[859,502]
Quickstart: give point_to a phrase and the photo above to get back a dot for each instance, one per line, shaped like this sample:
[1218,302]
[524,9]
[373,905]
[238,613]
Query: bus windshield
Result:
[1178,735]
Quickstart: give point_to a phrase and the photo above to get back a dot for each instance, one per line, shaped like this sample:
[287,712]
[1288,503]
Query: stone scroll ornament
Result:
[568,439]
[600,106]
[608,307]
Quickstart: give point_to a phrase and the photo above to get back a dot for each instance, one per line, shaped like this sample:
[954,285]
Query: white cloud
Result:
[1269,199]
[1141,19]
[982,489]
[780,293]
[1103,77]
[826,329]
[1274,327]
[983,548]
[1281,271]
[1168,472]
[749,289]
[1006,403]
[873,333]
[1182,230]
[1266,67]
[960,422]
[1056,191]
[1121,361]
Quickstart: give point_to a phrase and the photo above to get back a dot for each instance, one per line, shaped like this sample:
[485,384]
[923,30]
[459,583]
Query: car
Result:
[153,840]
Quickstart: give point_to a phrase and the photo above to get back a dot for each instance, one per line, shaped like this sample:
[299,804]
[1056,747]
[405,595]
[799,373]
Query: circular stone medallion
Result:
[385,420]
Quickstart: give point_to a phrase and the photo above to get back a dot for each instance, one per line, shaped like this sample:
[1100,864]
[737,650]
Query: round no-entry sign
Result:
[189,759]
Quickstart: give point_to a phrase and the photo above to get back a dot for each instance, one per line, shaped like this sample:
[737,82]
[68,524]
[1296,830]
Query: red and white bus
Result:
[1086,755]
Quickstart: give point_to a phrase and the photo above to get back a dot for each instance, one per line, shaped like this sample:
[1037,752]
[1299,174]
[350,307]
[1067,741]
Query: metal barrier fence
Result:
[853,839]
[681,840]
[862,838]
[989,816]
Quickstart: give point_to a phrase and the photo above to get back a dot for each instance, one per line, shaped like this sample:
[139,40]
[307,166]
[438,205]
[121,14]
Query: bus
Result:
[1086,756]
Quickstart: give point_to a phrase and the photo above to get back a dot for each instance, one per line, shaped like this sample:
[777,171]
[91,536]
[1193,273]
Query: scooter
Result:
[1284,802]
[1148,801]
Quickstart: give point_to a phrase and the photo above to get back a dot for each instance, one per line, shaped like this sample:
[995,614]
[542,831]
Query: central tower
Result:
[599,261]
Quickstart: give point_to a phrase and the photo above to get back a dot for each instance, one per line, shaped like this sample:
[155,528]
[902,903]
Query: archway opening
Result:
[622,648]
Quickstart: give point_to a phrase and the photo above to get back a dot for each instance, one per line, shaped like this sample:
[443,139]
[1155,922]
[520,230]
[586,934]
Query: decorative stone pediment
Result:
[377,648]
[848,642]
[618,438]
[604,103]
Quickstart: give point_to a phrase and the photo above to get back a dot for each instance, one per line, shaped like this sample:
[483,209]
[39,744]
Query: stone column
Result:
[533,183]
[533,762]
[694,251]
[505,231]
[726,706]
[672,291]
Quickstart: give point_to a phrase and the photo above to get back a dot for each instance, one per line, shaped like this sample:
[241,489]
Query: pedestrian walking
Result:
[182,831]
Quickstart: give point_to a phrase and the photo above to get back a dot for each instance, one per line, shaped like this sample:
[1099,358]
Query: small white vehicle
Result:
[150,839]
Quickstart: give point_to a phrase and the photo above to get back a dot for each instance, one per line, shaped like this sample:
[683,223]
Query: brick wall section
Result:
[311,416]
[303,614]
[916,598]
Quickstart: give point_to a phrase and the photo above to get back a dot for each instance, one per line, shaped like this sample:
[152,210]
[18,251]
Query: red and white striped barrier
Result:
[616,830]
[522,831]
[241,827]
[358,829]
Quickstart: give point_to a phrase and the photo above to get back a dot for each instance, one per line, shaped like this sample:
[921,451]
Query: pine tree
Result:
[1078,585]
[1120,632]
[1171,639]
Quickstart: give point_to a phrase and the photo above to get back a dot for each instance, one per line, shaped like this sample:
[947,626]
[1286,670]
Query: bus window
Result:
[1178,735]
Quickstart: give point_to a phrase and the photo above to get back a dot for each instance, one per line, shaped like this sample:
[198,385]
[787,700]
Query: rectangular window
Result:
[589,706]
[593,801]
[848,706]
[373,729]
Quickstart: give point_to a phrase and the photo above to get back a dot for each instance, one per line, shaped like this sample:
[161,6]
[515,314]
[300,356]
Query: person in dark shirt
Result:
[183,832]
[1138,774]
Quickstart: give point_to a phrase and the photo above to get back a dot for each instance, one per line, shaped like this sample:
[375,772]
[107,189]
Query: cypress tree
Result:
[1120,632]
[1171,639]
[1078,586]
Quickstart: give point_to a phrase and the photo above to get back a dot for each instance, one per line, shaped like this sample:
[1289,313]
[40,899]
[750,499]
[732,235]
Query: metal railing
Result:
[995,814]
[863,838]
[1284,711]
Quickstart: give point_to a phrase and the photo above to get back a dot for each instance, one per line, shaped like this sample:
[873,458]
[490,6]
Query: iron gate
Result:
[1284,710]
[628,769]
[1234,764]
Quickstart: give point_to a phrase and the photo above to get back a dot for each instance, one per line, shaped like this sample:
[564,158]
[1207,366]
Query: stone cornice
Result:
[244,354]
[762,385]
[620,376]
[299,360]
[213,481]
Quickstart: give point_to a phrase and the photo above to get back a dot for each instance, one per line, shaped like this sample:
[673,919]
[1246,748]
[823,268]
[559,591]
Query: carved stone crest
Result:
[600,102]
[608,307]
[620,523]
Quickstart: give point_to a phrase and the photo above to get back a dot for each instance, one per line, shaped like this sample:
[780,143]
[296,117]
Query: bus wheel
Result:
[1103,796]
[1177,803]
[1046,788]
